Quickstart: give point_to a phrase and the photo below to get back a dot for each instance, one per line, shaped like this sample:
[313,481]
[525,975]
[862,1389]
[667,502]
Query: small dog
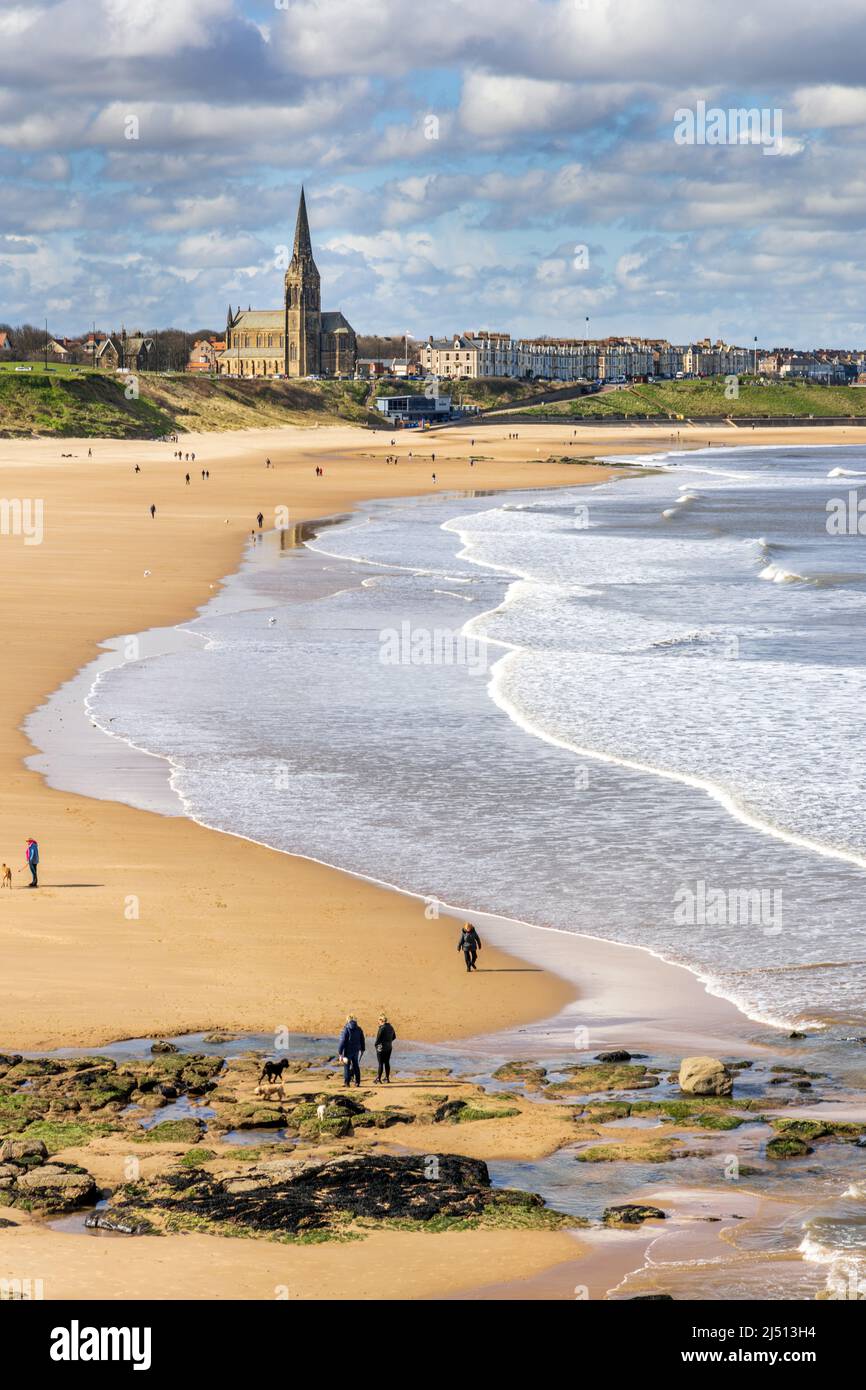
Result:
[5,876]
[270,1091]
[273,1071]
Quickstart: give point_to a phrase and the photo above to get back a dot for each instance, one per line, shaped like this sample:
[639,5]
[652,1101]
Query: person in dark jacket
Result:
[385,1039]
[469,944]
[351,1047]
[31,851]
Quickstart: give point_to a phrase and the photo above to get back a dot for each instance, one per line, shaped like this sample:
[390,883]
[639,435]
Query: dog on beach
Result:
[273,1071]
[5,876]
[270,1090]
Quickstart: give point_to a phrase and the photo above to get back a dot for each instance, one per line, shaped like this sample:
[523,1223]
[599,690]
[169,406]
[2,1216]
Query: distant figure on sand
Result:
[152,510]
[469,944]
[31,853]
[385,1039]
[351,1048]
[260,518]
[5,876]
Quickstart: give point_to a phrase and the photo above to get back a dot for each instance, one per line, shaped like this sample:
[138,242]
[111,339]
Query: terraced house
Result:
[297,340]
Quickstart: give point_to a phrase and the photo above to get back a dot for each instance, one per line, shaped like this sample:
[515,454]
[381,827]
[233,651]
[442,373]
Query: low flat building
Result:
[414,409]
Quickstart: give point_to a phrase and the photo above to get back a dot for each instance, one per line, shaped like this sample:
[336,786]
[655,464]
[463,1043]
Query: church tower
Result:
[303,303]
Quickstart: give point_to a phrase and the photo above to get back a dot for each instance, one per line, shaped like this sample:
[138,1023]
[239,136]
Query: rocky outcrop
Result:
[28,1180]
[631,1214]
[294,1196]
[705,1076]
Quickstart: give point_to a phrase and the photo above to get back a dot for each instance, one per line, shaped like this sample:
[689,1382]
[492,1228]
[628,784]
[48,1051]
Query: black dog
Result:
[272,1071]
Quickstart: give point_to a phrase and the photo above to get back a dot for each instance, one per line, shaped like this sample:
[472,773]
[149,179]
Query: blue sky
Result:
[456,155]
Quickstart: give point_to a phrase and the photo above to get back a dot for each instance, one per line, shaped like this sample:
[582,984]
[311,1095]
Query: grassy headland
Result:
[706,397]
[81,403]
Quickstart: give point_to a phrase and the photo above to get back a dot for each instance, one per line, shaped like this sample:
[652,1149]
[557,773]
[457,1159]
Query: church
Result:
[297,340]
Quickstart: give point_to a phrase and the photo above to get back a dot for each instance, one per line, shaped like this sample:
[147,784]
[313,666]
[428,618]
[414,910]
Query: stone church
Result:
[297,340]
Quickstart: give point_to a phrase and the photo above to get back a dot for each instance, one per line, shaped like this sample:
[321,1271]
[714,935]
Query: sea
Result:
[634,711]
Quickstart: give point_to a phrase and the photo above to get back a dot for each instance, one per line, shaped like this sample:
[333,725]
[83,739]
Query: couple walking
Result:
[353,1045]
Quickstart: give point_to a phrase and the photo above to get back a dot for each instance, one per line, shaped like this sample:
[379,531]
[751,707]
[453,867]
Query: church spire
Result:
[303,246]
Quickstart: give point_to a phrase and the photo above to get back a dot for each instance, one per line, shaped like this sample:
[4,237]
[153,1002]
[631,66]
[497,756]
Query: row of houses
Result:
[132,352]
[486,354]
[833,368]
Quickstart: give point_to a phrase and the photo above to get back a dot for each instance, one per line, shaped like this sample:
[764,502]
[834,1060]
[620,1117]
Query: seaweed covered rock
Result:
[631,1214]
[185,1131]
[294,1196]
[53,1187]
[105,1221]
[603,1076]
[705,1076]
[788,1146]
[27,1152]
[531,1075]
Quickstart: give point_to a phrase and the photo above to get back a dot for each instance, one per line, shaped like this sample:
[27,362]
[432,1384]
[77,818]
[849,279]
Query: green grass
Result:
[73,402]
[65,1134]
[654,1151]
[688,399]
[470,1113]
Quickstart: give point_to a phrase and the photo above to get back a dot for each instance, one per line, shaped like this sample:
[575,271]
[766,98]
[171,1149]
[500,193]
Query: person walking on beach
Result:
[31,854]
[187,480]
[351,1048]
[470,945]
[385,1039]
[152,511]
[260,518]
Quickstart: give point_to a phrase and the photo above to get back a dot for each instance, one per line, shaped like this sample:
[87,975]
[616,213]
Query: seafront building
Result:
[486,354]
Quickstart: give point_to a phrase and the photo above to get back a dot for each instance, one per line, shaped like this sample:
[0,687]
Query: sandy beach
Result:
[229,934]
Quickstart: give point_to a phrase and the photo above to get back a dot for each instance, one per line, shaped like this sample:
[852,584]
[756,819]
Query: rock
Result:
[27,1151]
[104,1221]
[5,1224]
[187,1131]
[616,1056]
[650,1298]
[787,1146]
[705,1076]
[861,1142]
[796,1035]
[330,1127]
[219,1037]
[631,1214]
[162,1046]
[292,1196]
[526,1072]
[448,1111]
[55,1186]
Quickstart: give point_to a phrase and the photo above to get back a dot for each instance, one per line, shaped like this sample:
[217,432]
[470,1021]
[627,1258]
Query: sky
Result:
[516,165]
